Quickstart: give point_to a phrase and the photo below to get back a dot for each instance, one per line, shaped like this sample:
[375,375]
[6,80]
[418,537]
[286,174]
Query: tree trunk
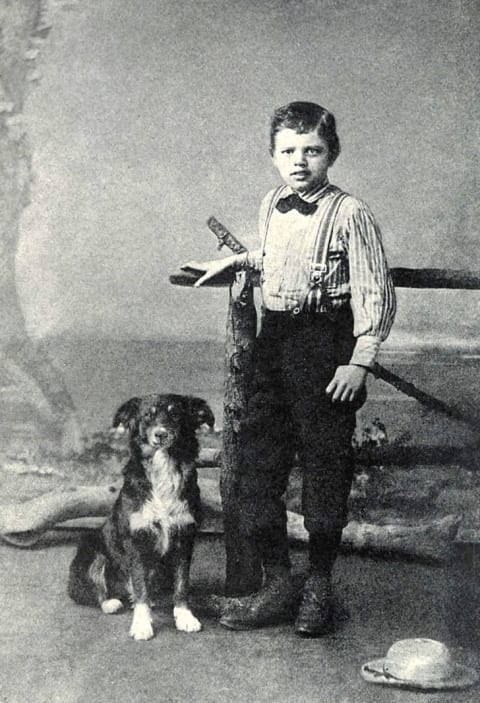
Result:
[35,404]
[243,568]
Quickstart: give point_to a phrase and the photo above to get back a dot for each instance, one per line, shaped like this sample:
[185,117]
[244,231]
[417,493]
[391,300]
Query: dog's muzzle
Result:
[160,436]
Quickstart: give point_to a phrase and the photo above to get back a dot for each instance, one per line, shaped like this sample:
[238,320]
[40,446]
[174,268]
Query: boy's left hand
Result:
[347,383]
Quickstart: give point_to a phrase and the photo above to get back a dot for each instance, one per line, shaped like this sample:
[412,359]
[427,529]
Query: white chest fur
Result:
[165,510]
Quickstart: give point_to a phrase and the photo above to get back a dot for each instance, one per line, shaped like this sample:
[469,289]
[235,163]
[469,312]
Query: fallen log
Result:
[22,524]
[432,540]
[386,455]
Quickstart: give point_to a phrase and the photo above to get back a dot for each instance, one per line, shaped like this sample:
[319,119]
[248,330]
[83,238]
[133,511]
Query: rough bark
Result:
[30,386]
[243,567]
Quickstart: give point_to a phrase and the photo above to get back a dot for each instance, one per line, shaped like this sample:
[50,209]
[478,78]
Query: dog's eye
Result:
[173,411]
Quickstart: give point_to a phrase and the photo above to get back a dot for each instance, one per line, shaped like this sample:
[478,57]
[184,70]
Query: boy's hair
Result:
[304,117]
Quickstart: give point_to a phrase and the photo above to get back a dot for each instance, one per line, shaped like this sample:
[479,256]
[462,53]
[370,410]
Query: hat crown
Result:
[419,659]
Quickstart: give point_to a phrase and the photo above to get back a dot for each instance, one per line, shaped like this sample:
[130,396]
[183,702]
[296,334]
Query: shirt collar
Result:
[314,194]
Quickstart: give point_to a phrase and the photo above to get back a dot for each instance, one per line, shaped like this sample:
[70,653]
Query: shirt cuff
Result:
[366,351]
[240,261]
[249,260]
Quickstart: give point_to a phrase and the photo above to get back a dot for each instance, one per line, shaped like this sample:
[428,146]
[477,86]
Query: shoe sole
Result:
[279,619]
[238,626]
[311,634]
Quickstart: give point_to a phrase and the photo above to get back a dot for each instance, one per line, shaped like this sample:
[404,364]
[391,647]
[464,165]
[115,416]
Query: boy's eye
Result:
[314,150]
[287,151]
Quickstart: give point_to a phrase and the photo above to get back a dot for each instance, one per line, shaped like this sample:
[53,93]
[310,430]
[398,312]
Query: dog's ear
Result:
[125,416]
[200,412]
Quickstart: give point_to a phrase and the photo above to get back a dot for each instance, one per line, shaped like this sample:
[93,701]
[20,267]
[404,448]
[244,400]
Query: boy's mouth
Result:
[299,174]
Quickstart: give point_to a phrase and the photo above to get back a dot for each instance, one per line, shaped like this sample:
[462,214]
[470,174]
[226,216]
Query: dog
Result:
[151,530]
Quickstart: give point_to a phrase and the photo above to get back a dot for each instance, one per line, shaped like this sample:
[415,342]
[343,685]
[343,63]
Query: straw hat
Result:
[419,663]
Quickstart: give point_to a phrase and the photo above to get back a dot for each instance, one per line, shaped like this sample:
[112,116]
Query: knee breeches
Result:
[290,415]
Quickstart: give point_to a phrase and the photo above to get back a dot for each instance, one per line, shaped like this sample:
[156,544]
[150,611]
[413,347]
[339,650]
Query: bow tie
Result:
[294,201]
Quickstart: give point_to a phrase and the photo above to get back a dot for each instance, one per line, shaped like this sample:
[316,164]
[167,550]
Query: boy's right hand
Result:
[211,268]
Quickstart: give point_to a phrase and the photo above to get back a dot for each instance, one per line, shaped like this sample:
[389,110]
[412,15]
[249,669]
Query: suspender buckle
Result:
[318,274]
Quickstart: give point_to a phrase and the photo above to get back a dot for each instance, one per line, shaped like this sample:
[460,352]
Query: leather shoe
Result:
[315,615]
[271,605]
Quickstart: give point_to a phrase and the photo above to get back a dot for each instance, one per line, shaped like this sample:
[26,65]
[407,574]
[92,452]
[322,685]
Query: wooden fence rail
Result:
[402,278]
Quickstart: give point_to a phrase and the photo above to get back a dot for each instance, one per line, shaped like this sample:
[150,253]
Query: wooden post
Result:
[243,567]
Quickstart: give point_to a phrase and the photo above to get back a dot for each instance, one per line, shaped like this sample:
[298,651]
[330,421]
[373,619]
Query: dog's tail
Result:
[86,579]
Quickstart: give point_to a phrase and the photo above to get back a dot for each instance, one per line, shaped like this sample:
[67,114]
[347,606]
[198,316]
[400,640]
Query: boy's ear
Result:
[200,412]
[126,415]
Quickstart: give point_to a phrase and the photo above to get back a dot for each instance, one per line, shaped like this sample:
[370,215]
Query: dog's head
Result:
[163,421]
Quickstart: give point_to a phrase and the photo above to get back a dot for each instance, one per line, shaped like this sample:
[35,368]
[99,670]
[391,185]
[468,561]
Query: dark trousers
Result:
[295,358]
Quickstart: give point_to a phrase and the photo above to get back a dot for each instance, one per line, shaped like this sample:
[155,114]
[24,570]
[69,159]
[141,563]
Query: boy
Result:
[328,304]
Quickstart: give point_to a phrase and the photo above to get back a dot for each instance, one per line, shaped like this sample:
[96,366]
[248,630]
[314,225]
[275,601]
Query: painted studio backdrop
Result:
[152,116]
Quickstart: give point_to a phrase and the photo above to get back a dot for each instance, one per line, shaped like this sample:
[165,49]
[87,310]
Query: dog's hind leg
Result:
[86,580]
[185,620]
[111,606]
[97,575]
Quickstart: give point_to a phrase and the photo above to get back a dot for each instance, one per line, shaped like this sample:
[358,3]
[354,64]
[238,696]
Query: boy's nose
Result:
[299,158]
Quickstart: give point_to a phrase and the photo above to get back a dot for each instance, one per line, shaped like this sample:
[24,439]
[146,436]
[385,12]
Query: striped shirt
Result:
[356,272]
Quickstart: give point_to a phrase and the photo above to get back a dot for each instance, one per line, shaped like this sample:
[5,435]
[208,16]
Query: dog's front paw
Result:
[141,628]
[185,620]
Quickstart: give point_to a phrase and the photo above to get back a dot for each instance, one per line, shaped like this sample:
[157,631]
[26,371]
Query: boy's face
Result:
[301,159]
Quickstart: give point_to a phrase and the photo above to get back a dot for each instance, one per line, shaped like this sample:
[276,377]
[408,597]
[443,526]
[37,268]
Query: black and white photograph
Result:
[239,351]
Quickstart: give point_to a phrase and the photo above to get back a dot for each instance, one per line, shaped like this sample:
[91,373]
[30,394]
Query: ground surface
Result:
[53,651]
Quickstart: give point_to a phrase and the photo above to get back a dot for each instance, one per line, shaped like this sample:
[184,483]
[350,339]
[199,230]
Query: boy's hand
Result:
[211,268]
[347,383]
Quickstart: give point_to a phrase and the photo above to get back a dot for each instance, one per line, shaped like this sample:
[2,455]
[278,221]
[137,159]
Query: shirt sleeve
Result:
[372,292]
[249,260]
[255,258]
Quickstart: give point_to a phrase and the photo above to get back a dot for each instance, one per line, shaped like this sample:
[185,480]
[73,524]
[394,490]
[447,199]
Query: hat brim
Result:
[462,677]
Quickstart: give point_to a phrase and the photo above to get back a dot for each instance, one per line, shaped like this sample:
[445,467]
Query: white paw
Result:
[185,620]
[113,605]
[141,628]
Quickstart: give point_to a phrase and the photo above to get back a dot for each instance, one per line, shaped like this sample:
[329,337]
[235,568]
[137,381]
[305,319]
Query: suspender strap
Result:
[317,298]
[323,239]
[271,207]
